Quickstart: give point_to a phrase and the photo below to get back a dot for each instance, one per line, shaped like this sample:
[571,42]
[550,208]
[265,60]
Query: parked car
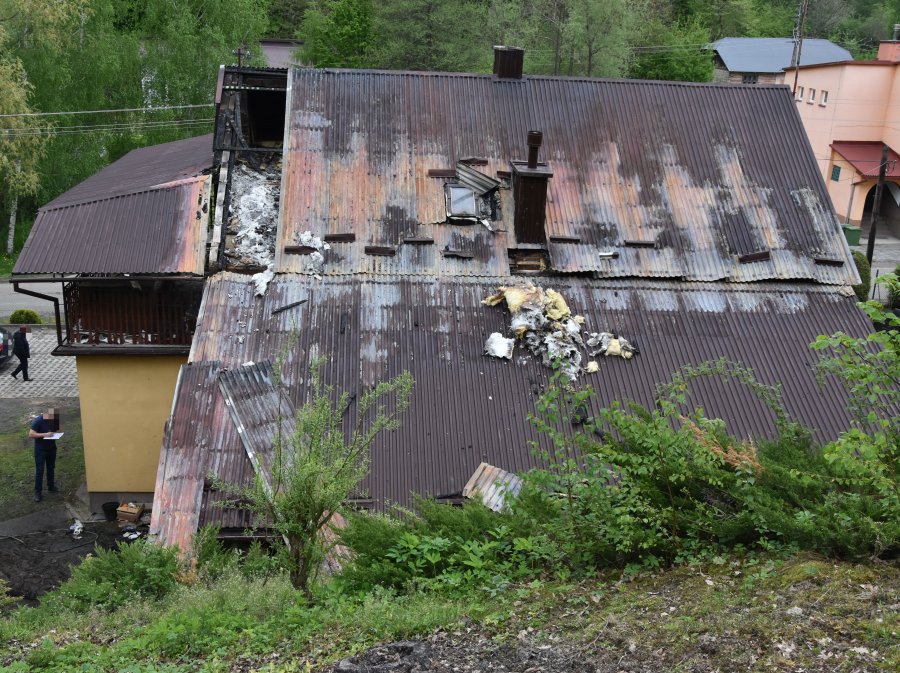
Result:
[5,345]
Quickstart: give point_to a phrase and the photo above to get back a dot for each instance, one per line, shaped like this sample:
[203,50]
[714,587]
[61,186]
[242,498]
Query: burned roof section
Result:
[699,175]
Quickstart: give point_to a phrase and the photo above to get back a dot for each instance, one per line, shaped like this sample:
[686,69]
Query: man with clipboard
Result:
[45,431]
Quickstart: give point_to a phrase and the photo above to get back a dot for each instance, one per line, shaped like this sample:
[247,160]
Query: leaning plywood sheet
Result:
[492,486]
[262,413]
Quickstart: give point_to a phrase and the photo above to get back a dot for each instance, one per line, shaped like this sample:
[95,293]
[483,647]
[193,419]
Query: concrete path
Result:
[44,519]
[54,376]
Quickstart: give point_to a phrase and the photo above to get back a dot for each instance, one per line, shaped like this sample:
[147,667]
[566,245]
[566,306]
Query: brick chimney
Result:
[529,184]
[508,62]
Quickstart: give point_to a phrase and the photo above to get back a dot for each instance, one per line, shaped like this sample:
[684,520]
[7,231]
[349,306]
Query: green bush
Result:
[893,298]
[24,316]
[865,273]
[111,578]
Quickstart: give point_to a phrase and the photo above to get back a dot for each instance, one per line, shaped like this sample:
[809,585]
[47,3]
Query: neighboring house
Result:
[850,109]
[761,60]
[129,247]
[279,53]
[366,215]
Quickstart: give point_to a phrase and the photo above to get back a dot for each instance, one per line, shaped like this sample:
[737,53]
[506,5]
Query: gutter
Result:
[32,293]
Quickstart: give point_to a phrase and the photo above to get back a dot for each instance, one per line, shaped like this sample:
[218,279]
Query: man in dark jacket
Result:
[42,427]
[22,351]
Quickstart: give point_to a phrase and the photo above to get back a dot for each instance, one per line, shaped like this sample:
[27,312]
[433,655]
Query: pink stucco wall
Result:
[863,104]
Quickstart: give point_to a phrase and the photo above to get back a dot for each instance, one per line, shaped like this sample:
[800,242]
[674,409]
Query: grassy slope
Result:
[805,613]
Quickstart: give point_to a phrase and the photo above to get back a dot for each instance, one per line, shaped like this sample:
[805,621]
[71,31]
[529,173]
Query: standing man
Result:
[42,427]
[21,350]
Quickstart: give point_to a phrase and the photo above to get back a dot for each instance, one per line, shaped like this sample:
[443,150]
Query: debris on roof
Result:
[315,247]
[544,321]
[499,346]
[609,344]
[491,485]
[250,242]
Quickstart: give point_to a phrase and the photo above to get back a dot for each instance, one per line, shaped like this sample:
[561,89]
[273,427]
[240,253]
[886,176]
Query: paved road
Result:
[54,376]
[10,300]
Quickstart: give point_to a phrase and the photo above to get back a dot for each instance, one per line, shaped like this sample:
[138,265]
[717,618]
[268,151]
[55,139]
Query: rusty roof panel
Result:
[257,408]
[159,230]
[468,409]
[706,172]
[183,458]
[491,485]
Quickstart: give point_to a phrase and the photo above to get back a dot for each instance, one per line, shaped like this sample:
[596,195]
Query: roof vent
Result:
[508,62]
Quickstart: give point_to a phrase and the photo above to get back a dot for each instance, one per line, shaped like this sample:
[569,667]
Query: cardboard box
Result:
[129,512]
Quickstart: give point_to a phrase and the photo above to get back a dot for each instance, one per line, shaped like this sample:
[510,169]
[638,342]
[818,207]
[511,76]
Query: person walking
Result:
[21,350]
[44,426]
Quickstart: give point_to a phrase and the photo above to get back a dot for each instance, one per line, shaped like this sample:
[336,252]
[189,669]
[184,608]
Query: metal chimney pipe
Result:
[896,32]
[535,138]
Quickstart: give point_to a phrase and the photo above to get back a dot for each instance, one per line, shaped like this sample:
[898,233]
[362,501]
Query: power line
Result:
[91,112]
[105,128]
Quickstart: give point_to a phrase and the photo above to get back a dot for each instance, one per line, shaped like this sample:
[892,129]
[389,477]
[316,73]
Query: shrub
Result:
[865,274]
[24,316]
[893,298]
[111,578]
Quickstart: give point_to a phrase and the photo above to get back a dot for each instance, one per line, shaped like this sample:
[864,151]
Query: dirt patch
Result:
[34,563]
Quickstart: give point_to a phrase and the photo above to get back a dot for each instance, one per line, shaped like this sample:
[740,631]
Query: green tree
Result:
[598,31]
[317,468]
[337,33]
[673,52]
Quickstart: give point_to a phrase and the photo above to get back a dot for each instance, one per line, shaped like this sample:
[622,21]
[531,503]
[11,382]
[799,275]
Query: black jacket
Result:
[20,345]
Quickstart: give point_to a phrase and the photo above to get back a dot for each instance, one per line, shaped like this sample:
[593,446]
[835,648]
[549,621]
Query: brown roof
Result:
[159,230]
[865,156]
[467,408]
[146,213]
[143,168]
[704,173]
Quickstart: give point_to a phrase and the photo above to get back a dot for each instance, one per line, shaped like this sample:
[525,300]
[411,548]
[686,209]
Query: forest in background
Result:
[73,56]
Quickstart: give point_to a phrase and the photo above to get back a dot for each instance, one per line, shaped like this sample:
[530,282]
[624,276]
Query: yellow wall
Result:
[125,403]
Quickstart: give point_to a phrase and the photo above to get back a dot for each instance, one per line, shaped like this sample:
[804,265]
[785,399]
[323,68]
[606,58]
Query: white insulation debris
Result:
[499,346]
[316,260]
[544,322]
[254,207]
[262,279]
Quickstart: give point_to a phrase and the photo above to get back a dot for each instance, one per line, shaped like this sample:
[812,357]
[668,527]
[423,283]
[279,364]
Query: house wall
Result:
[863,99]
[125,402]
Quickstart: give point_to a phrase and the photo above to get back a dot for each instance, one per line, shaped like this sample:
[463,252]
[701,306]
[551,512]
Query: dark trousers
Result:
[44,456]
[23,367]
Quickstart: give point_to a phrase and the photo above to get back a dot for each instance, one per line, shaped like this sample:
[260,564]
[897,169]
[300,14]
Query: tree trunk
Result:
[11,236]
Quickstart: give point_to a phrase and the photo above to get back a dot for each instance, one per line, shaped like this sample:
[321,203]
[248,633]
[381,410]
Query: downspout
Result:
[32,293]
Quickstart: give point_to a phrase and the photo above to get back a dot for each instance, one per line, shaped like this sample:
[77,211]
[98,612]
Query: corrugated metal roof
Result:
[491,485]
[774,54]
[703,173]
[468,409]
[143,168]
[865,157]
[257,408]
[162,229]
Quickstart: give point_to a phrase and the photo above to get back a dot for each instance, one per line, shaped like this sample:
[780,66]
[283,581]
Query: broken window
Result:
[472,196]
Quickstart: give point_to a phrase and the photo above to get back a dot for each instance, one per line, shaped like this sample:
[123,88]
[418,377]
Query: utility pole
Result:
[798,40]
[876,203]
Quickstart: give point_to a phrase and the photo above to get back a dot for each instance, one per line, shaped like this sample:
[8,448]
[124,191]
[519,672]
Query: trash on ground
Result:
[76,529]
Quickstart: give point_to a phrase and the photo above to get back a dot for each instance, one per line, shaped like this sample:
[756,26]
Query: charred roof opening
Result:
[265,118]
[472,196]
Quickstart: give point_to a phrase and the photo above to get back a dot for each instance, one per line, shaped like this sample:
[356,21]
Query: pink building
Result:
[849,109]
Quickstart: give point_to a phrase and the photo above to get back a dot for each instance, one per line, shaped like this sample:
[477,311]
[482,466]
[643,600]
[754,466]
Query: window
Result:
[812,96]
[823,99]
[799,93]
[750,79]
[835,173]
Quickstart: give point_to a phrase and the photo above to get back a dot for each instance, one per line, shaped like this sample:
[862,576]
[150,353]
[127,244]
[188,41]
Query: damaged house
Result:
[473,228]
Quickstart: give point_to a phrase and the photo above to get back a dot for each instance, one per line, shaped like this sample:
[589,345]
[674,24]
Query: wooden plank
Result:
[828,261]
[474,161]
[441,172]
[457,254]
[299,250]
[418,240]
[633,243]
[761,256]
[565,239]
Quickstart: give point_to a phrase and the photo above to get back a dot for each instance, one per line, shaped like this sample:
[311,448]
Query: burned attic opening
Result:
[265,118]
[472,197]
